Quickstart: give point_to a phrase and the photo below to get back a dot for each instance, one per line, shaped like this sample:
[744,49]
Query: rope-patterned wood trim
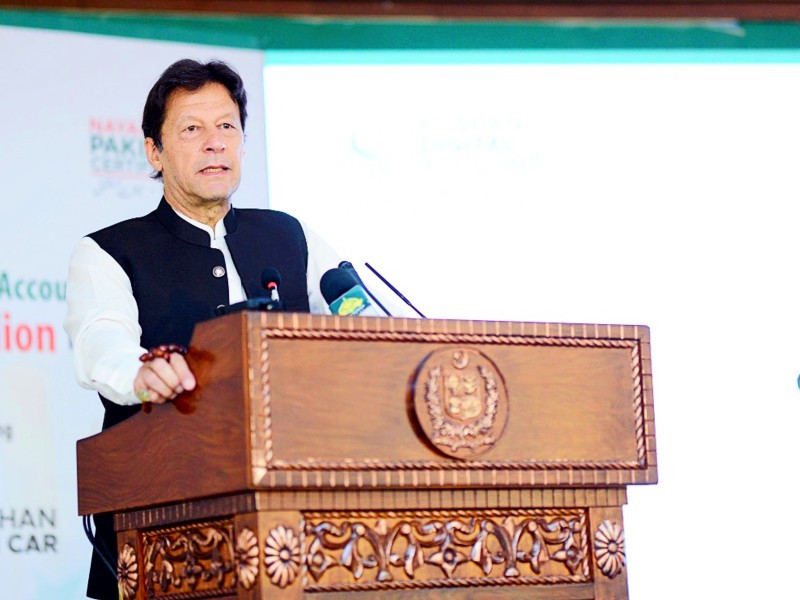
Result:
[448,338]
[451,466]
[226,521]
[585,543]
[638,405]
[444,583]
[261,444]
[266,395]
[445,513]
[198,595]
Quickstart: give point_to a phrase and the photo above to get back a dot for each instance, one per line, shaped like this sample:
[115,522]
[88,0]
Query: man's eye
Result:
[227,126]
[191,128]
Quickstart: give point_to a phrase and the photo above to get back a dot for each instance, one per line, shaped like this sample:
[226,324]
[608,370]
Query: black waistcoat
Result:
[178,279]
[177,282]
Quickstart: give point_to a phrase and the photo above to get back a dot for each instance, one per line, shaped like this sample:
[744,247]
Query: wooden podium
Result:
[329,457]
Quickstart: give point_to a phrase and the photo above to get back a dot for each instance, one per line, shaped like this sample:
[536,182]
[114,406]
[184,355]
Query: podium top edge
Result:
[402,325]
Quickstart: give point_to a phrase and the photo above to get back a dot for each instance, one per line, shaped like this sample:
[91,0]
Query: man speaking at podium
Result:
[136,289]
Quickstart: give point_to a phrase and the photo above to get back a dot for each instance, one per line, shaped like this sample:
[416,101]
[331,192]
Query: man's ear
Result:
[153,154]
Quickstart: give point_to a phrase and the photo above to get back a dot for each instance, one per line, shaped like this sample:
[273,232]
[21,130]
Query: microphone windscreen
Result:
[270,276]
[335,282]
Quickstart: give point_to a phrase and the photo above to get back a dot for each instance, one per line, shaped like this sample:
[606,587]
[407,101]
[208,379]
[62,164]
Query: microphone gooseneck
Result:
[394,289]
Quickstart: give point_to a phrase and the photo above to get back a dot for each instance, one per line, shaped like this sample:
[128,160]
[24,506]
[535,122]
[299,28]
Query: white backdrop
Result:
[72,106]
[665,195]
[662,194]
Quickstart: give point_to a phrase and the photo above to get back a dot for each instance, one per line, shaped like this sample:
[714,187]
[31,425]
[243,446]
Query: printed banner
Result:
[74,160]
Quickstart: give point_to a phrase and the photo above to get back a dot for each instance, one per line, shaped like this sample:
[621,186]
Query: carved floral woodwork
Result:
[246,556]
[609,548]
[446,548]
[351,551]
[188,559]
[282,556]
[127,573]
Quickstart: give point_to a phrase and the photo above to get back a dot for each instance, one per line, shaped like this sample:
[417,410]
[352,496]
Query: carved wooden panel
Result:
[579,404]
[289,554]
[445,549]
[197,560]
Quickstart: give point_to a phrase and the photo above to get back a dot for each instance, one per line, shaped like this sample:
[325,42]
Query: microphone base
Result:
[263,304]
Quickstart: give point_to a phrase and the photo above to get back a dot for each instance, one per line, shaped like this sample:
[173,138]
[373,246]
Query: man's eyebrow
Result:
[194,117]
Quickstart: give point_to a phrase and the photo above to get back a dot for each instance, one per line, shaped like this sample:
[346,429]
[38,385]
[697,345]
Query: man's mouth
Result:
[214,169]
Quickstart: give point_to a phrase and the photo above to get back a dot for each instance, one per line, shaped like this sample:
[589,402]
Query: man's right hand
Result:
[163,380]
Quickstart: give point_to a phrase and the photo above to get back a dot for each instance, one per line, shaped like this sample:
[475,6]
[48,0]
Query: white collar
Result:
[219,230]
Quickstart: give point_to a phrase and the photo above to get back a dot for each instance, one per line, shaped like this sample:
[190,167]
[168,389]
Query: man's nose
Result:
[215,141]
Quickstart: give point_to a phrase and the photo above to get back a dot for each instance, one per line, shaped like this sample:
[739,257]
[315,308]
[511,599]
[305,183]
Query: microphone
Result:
[344,295]
[270,279]
[349,266]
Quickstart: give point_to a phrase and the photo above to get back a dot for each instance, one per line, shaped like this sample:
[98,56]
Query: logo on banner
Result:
[117,158]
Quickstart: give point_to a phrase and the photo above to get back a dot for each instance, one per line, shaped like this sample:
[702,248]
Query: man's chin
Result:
[218,196]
